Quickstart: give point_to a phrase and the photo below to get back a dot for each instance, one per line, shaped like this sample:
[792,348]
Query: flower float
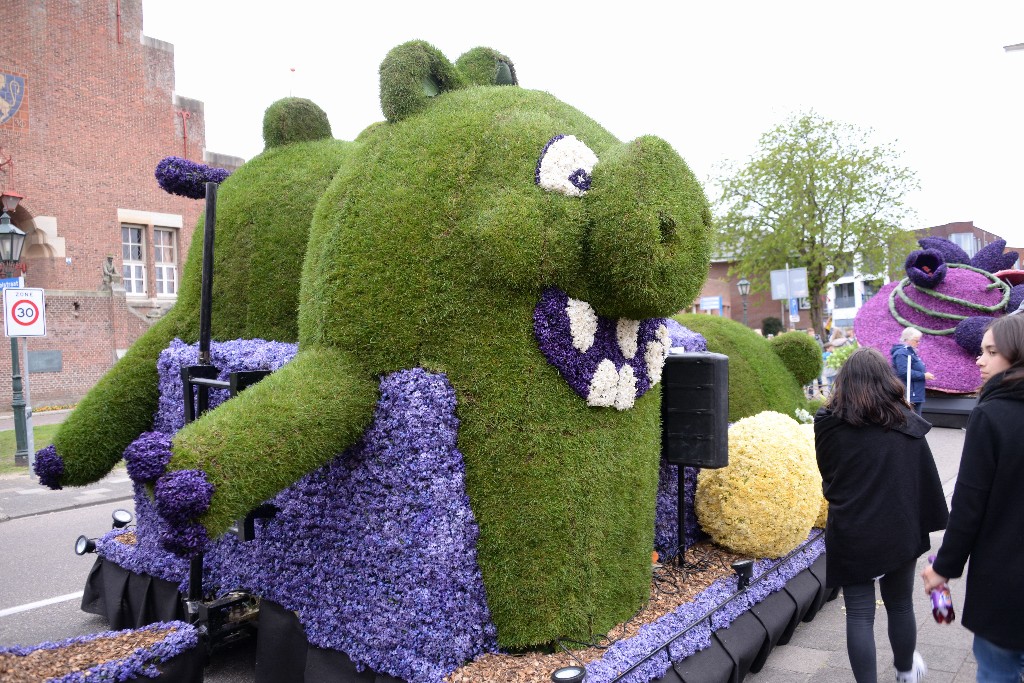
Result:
[768,498]
[952,310]
[187,178]
[495,238]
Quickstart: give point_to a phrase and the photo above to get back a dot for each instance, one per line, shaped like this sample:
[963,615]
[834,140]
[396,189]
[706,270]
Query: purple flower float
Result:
[187,178]
[926,267]
[49,467]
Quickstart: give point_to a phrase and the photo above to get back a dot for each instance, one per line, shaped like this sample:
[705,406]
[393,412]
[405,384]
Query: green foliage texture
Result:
[294,119]
[263,214]
[758,379]
[800,354]
[817,194]
[840,354]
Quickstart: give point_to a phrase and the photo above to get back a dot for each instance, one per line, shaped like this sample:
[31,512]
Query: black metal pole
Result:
[21,455]
[206,291]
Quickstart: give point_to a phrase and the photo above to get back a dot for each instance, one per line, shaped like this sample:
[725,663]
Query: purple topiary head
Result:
[49,467]
[187,178]
[950,251]
[992,258]
[147,457]
[182,495]
[926,268]
[969,332]
[1016,298]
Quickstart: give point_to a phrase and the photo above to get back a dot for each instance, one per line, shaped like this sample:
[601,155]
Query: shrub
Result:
[771,327]
[294,119]
[800,353]
[758,380]
[841,353]
[768,498]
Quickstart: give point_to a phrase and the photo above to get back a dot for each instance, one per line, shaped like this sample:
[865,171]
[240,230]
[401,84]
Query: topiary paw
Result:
[182,495]
[49,467]
[187,540]
[147,457]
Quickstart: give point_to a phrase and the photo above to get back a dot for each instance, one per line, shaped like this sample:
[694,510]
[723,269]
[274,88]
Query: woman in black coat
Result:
[884,498]
[987,519]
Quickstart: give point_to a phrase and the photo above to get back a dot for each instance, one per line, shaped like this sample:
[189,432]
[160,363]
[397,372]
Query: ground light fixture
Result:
[744,570]
[121,518]
[569,674]
[84,545]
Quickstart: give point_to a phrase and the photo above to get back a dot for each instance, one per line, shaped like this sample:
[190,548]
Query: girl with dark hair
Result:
[986,522]
[884,498]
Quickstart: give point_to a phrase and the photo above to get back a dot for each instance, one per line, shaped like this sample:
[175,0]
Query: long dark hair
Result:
[1008,334]
[867,392]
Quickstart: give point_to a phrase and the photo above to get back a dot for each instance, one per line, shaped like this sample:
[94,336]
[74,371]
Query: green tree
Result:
[816,194]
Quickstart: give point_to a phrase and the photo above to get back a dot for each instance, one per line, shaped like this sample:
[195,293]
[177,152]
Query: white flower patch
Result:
[565,166]
[656,353]
[582,323]
[610,387]
[627,331]
[626,394]
[604,385]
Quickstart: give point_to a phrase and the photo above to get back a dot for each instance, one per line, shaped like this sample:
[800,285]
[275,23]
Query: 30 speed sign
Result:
[24,312]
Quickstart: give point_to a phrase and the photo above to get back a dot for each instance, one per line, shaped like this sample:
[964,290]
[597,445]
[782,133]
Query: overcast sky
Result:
[709,77]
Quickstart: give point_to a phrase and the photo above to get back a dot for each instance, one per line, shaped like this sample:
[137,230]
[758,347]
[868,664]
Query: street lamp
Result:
[12,240]
[744,287]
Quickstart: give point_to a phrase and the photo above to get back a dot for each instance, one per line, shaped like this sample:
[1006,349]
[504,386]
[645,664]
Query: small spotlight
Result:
[84,544]
[121,517]
[569,674]
[744,570]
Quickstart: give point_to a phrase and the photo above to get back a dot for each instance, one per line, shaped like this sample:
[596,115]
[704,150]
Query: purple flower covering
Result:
[992,258]
[926,267]
[141,662]
[187,539]
[969,333]
[147,457]
[182,495]
[231,356]
[684,337]
[49,467]
[554,336]
[1016,298]
[624,653]
[187,178]
[951,252]
[666,515]
[953,367]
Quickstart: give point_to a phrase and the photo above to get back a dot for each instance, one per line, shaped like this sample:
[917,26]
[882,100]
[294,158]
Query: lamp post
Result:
[11,242]
[744,287]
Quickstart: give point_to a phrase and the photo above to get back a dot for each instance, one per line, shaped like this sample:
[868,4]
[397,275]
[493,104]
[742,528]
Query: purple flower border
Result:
[141,662]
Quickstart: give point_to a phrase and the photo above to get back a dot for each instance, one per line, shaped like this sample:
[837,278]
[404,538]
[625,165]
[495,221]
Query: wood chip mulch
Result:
[671,586]
[42,665]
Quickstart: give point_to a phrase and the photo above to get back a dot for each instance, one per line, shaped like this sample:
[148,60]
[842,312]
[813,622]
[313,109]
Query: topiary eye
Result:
[565,166]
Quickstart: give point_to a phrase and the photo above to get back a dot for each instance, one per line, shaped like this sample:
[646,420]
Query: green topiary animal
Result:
[758,379]
[800,354]
[264,212]
[433,247]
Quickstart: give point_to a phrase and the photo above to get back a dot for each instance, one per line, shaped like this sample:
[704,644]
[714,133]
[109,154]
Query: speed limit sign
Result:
[24,312]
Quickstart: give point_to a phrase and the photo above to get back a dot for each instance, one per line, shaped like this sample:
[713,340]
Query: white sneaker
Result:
[917,673]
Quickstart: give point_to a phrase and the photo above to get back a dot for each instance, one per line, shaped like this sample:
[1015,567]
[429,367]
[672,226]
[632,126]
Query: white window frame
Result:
[150,222]
[133,270]
[165,272]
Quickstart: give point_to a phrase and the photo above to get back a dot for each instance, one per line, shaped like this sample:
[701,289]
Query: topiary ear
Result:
[294,119]
[484,66]
[411,75]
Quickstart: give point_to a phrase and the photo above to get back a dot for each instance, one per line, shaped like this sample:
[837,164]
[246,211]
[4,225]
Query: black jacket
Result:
[987,517]
[884,496]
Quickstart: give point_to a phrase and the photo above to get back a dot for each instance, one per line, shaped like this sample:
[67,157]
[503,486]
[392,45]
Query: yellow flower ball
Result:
[768,498]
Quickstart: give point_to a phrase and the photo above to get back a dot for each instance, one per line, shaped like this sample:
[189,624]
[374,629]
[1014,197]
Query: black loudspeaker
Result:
[695,410]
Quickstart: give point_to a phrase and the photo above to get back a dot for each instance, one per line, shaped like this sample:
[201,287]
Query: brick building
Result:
[87,109]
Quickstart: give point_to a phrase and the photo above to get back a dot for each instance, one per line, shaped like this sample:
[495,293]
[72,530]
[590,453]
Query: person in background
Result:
[837,339]
[986,522]
[884,498]
[904,356]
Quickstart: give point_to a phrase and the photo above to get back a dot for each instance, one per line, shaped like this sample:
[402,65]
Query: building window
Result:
[133,259]
[871,288]
[165,261]
[845,296]
[966,241]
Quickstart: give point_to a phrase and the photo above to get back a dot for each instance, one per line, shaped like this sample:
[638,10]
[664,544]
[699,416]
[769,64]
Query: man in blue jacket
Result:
[909,367]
